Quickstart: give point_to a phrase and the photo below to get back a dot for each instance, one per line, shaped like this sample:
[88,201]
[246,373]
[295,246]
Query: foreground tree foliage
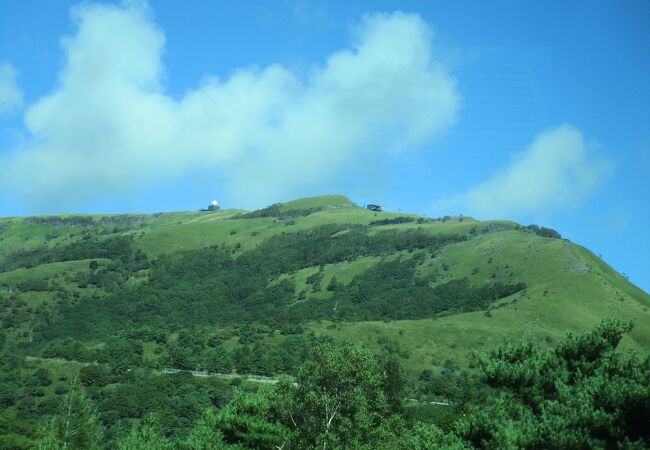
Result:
[583,393]
[76,424]
[339,401]
[580,394]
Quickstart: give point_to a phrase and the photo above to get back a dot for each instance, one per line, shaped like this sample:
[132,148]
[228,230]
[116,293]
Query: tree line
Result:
[581,393]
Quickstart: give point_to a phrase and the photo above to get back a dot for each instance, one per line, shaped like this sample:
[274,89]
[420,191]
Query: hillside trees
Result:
[277,211]
[186,288]
[118,248]
[76,424]
[335,243]
[391,290]
[147,437]
[10,367]
[247,420]
[580,394]
[543,231]
[340,400]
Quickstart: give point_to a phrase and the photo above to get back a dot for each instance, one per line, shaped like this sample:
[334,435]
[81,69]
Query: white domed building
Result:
[214,206]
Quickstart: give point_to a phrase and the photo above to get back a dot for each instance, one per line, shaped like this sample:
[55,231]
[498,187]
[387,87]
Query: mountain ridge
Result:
[113,300]
[567,286]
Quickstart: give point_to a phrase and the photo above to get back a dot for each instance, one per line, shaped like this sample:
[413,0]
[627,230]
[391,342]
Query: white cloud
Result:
[11,96]
[110,127]
[556,172]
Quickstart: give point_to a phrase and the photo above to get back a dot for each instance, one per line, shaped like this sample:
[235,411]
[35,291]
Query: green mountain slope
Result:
[275,281]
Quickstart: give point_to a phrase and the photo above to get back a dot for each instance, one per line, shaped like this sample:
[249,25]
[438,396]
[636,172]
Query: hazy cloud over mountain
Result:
[555,172]
[110,127]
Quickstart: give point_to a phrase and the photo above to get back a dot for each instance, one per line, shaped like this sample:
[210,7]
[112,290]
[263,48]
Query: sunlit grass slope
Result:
[568,287]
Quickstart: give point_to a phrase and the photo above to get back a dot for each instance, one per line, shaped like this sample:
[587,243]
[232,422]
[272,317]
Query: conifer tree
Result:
[76,424]
[580,394]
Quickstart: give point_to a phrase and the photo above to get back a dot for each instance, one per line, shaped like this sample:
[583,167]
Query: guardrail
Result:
[264,379]
[228,376]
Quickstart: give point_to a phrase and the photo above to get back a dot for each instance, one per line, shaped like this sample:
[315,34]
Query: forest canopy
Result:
[580,393]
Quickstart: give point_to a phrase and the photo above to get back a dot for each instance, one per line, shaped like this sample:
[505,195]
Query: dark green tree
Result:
[144,437]
[247,421]
[76,424]
[339,401]
[580,394]
[95,375]
[205,435]
[334,284]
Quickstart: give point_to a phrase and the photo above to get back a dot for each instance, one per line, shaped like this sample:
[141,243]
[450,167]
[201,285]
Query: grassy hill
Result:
[475,282]
[567,287]
[113,299]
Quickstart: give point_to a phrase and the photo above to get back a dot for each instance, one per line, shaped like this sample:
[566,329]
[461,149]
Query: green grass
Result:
[569,288]
[323,201]
[344,273]
[61,372]
[45,271]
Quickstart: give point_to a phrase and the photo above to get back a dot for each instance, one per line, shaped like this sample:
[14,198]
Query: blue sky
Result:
[531,111]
